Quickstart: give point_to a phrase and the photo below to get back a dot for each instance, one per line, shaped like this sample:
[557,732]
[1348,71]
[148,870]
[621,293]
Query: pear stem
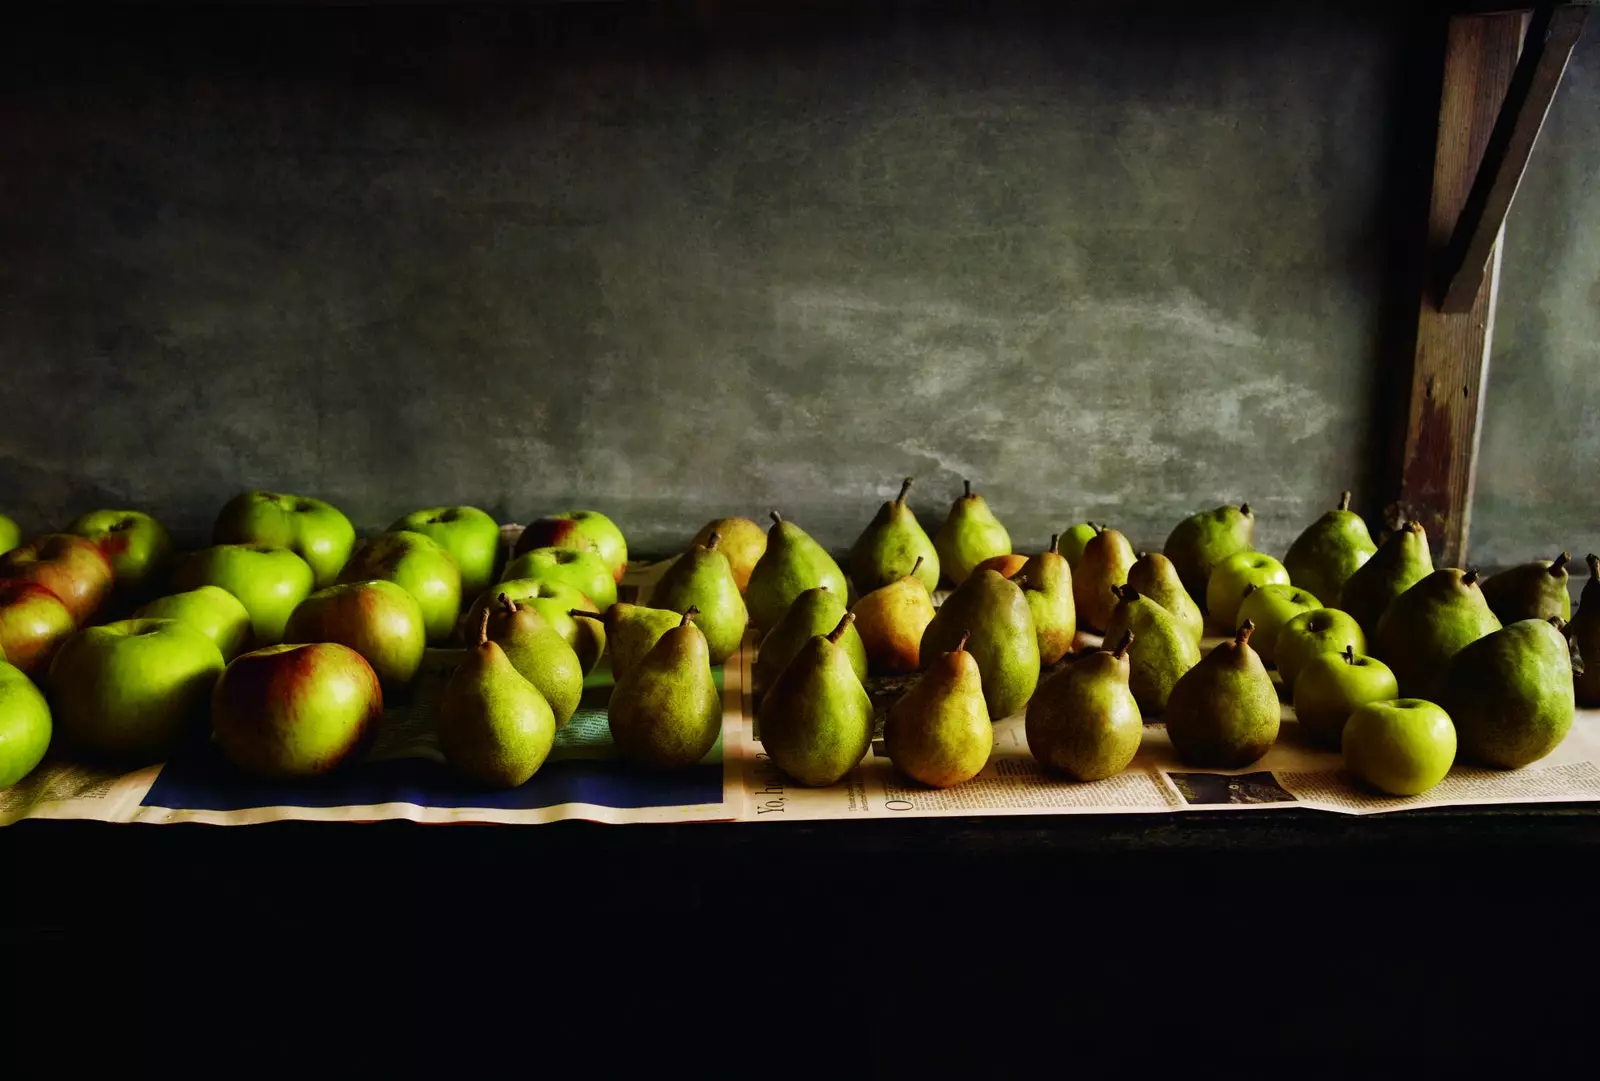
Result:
[579,612]
[1055,543]
[1559,565]
[1349,654]
[966,489]
[905,486]
[507,603]
[711,541]
[483,629]
[689,615]
[1244,509]
[1246,629]
[1344,500]
[961,646]
[777,519]
[844,625]
[1470,577]
[1122,646]
[917,566]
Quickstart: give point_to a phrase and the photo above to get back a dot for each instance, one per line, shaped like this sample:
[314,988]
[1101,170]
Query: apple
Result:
[1230,578]
[584,571]
[10,534]
[1320,630]
[212,611]
[70,567]
[421,567]
[579,530]
[24,725]
[741,540]
[1270,607]
[1332,686]
[295,710]
[33,624]
[377,619]
[470,536]
[310,528]
[133,688]
[553,601]
[1402,747]
[136,544]
[268,581]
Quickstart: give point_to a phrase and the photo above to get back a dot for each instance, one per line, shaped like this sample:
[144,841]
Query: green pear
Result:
[539,654]
[1046,581]
[890,621]
[1084,721]
[495,728]
[1510,694]
[1232,578]
[939,731]
[1104,566]
[890,546]
[1162,651]
[1074,540]
[970,534]
[1585,635]
[1330,550]
[816,611]
[702,578]
[1003,640]
[1429,624]
[816,725]
[1270,608]
[666,712]
[1334,685]
[1224,712]
[1202,540]
[631,631]
[1400,562]
[792,564]
[1314,631]
[1535,590]
[556,602]
[1156,577]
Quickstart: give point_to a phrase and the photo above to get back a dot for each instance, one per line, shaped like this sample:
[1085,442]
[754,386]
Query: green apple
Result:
[471,537]
[212,611]
[554,602]
[136,544]
[1230,578]
[1319,630]
[421,567]
[1332,686]
[24,725]
[580,530]
[584,571]
[1402,747]
[377,619]
[295,710]
[268,581]
[33,624]
[134,688]
[72,568]
[310,528]
[10,534]
[1270,607]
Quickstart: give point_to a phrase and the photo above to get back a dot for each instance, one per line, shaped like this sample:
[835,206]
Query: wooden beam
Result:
[1551,35]
[1451,356]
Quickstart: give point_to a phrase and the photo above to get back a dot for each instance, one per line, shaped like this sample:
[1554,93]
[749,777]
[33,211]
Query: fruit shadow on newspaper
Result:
[1210,789]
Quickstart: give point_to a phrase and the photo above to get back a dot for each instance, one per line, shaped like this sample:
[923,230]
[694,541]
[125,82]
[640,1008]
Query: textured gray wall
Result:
[1113,268]
[1537,477]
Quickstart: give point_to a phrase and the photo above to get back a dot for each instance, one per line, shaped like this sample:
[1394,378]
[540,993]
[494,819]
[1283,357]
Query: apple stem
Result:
[689,615]
[917,566]
[483,629]
[1558,623]
[1055,543]
[1559,565]
[1470,577]
[844,625]
[1244,509]
[1122,646]
[961,646]
[580,613]
[1246,629]
[711,541]
[1249,589]
[905,486]
[777,519]
[1344,500]
[1349,654]
[966,489]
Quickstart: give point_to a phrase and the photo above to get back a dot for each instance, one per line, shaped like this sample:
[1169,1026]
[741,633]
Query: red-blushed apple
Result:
[72,568]
[24,725]
[212,611]
[10,534]
[579,530]
[136,545]
[310,528]
[1402,747]
[377,619]
[418,565]
[33,624]
[584,571]
[133,689]
[470,536]
[269,582]
[295,710]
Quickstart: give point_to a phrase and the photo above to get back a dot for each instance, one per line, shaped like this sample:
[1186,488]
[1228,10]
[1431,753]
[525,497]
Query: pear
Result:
[1162,653]
[1585,635]
[1535,590]
[1156,577]
[1429,624]
[1510,694]
[1084,721]
[1400,562]
[539,654]
[1330,550]
[1074,539]
[970,534]
[702,578]
[666,712]
[890,546]
[631,631]
[816,611]
[994,612]
[890,621]
[939,731]
[1198,542]
[816,725]
[1104,566]
[742,542]
[792,564]
[495,728]
[1270,608]
[1224,712]
[1046,581]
